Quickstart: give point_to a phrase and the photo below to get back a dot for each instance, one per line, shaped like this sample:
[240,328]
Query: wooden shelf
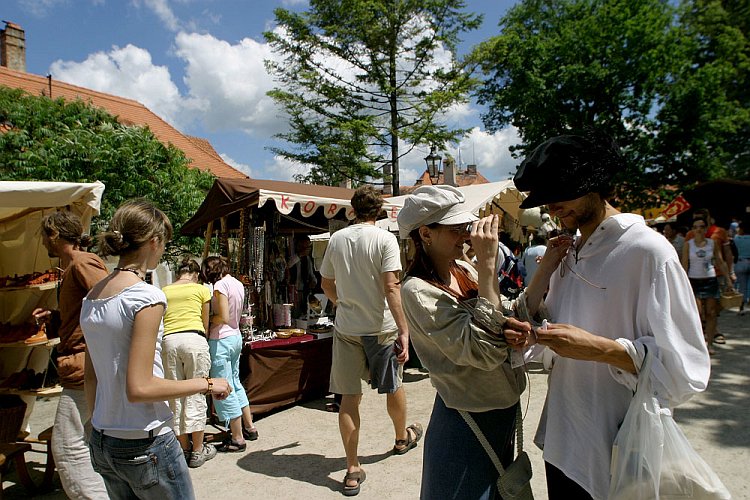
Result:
[50,343]
[55,390]
[44,286]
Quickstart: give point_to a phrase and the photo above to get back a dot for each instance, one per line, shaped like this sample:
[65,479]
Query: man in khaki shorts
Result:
[360,274]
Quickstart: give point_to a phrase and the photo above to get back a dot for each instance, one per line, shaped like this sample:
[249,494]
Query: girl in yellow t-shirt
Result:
[185,355]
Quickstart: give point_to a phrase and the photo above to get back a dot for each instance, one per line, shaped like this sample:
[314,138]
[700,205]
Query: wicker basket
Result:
[12,410]
[731,298]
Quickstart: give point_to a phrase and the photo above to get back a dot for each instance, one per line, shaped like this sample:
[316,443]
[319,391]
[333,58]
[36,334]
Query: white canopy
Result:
[22,206]
[491,198]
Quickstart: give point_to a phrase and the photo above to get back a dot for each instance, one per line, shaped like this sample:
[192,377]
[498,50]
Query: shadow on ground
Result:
[308,467]
[727,399]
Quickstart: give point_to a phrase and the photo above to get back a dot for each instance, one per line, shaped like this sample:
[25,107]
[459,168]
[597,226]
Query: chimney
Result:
[471,170]
[13,47]
[449,171]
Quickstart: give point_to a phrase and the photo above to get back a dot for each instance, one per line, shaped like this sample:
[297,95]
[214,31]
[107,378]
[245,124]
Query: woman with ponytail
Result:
[225,346]
[185,355]
[62,236]
[132,443]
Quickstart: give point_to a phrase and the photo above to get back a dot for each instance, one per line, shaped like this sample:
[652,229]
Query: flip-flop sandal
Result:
[231,446]
[250,434]
[358,476]
[720,339]
[404,445]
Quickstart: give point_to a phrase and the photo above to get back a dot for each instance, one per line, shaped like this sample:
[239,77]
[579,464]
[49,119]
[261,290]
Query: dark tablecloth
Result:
[283,371]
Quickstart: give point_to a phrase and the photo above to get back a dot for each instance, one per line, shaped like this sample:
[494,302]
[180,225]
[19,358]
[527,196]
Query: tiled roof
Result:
[462,179]
[128,112]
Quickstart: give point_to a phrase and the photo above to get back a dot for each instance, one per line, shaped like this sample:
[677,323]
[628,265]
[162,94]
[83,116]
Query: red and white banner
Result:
[678,206]
[308,205]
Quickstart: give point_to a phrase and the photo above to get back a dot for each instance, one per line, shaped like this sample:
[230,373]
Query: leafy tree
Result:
[360,77]
[54,140]
[705,121]
[564,65]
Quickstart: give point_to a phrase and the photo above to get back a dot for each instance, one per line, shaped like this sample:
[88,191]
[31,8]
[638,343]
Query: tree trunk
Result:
[394,119]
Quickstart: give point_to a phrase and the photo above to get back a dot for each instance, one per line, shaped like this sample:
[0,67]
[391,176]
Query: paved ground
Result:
[299,454]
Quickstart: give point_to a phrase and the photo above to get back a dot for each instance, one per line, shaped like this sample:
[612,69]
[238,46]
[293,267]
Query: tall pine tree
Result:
[365,81]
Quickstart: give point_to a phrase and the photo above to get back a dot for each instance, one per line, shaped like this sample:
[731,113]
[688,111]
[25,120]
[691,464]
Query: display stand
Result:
[24,349]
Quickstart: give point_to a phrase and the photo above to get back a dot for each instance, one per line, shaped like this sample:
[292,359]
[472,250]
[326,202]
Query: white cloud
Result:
[489,152]
[127,72]
[41,8]
[242,167]
[229,83]
[283,169]
[163,11]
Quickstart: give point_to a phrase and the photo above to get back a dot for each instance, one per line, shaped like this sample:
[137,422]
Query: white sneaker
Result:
[199,458]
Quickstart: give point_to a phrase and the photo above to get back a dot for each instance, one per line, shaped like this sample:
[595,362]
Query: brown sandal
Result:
[358,476]
[408,443]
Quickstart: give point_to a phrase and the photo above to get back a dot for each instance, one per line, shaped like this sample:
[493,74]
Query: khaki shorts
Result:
[371,358]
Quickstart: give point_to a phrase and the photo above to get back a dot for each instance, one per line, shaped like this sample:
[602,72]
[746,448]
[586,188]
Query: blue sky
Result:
[199,65]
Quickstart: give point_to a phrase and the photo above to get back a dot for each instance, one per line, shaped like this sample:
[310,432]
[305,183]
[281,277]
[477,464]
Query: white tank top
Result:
[701,260]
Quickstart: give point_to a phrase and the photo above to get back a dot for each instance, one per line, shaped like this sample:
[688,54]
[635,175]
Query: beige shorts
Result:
[369,358]
[185,355]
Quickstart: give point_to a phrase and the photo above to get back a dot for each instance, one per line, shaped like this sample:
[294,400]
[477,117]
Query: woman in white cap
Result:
[456,322]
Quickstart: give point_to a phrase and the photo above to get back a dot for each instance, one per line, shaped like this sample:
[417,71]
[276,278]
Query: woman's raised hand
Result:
[484,237]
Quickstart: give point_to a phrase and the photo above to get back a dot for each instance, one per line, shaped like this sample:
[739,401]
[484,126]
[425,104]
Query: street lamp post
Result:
[434,162]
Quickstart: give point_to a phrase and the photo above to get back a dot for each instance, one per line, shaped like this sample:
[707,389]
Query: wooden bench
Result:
[13,452]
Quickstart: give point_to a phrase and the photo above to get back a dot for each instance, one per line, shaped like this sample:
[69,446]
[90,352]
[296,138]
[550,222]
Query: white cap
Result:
[433,204]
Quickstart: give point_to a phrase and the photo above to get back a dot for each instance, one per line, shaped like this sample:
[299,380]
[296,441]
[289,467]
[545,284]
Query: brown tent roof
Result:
[309,203]
[128,112]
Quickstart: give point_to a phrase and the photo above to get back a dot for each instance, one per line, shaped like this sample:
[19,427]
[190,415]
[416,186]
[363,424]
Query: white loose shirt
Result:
[639,295]
[356,258]
[108,328]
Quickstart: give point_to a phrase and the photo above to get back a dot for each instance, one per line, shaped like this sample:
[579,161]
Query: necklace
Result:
[130,270]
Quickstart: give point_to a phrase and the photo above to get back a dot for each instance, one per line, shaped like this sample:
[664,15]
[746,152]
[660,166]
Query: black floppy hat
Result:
[566,167]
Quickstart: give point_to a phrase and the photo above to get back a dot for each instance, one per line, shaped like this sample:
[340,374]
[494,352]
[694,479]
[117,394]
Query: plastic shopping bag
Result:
[652,458]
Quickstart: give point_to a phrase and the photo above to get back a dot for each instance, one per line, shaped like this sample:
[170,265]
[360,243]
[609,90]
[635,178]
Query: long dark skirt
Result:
[455,465]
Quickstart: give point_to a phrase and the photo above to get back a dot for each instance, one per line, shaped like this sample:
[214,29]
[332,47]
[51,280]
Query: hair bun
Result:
[86,241]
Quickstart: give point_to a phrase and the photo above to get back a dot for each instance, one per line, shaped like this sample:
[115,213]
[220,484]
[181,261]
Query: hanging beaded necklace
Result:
[131,270]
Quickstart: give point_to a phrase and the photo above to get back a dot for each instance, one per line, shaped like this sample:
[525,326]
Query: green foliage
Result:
[669,85]
[566,65]
[358,78]
[705,120]
[55,140]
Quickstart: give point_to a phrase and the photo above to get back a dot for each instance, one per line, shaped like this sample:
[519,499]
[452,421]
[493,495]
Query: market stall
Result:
[29,279]
[263,227]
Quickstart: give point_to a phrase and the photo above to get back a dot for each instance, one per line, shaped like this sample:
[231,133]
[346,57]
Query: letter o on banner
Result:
[309,207]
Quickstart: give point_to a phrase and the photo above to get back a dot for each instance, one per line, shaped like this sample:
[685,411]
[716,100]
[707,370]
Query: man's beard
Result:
[588,213]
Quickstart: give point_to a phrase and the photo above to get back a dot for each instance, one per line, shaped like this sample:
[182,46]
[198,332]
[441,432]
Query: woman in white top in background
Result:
[132,443]
[700,256]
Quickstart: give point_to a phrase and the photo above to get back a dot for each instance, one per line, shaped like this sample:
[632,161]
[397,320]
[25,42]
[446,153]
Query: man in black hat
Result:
[615,289]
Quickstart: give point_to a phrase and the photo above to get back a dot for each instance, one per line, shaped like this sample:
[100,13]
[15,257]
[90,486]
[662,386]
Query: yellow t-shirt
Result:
[184,307]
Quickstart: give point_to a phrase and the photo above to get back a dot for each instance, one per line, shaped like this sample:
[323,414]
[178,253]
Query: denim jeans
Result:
[71,451]
[150,468]
[742,270]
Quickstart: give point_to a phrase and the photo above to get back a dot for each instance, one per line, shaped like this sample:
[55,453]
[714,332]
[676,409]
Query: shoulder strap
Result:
[486,444]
